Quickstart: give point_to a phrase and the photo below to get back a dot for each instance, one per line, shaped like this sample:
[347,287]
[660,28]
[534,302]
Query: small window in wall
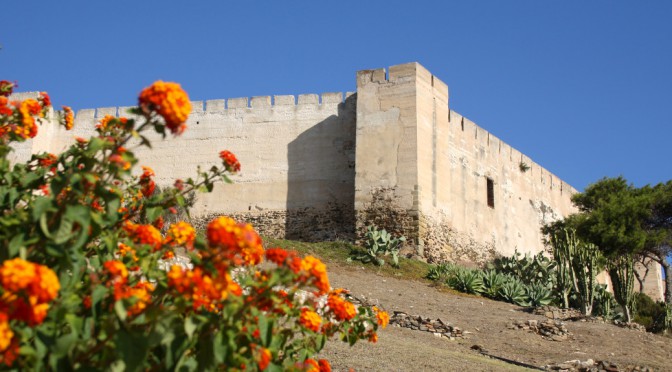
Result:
[491,193]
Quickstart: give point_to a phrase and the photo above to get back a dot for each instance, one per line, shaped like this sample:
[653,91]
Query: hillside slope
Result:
[486,323]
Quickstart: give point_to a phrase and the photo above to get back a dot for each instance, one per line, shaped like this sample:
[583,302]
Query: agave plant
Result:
[441,272]
[467,281]
[380,243]
[492,283]
[539,295]
[513,291]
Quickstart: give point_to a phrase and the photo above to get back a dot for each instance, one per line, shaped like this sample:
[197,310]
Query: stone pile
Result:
[593,366]
[552,329]
[634,326]
[415,322]
[552,312]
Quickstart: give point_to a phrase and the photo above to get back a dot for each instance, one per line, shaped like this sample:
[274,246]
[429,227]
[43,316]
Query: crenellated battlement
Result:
[300,101]
[464,129]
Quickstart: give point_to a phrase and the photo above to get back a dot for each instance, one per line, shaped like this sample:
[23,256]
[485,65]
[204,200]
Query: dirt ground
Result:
[485,322]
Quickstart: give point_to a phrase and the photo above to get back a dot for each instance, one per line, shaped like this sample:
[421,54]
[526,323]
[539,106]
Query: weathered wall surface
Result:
[386,157]
[459,159]
[297,156]
[430,165]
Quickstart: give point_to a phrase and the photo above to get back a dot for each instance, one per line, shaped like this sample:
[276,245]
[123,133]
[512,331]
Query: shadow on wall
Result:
[321,179]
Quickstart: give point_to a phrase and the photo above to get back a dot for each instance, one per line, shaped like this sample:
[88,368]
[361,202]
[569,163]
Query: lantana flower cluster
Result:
[122,301]
[27,290]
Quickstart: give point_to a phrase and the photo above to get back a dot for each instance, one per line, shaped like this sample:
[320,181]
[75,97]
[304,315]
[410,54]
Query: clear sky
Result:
[582,87]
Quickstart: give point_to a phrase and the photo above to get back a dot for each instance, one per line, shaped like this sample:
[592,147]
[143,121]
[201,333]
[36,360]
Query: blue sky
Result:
[582,87]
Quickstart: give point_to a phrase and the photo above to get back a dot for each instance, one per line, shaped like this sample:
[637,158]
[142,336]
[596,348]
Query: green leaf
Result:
[133,349]
[153,213]
[190,326]
[64,344]
[41,205]
[120,309]
[265,330]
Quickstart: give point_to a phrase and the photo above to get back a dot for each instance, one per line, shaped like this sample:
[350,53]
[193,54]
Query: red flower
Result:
[230,161]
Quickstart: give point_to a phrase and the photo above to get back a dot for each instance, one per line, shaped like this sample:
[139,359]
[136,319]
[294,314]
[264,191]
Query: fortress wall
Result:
[297,156]
[456,158]
[386,185]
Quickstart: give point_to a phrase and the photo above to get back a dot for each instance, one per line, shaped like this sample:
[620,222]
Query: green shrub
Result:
[650,314]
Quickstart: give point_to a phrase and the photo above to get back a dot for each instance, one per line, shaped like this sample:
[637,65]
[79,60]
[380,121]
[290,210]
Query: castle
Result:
[323,167]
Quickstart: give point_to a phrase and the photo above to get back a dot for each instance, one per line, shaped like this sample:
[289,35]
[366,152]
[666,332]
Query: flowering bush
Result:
[82,248]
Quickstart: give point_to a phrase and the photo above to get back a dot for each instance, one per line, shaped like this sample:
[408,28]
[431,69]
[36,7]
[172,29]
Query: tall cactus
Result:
[563,246]
[577,268]
[585,264]
[622,274]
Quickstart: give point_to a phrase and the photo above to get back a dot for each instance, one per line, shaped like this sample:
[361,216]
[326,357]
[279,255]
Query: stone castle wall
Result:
[297,156]
[323,167]
[435,165]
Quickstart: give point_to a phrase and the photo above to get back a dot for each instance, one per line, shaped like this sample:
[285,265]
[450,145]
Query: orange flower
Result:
[6,333]
[125,250]
[342,309]
[231,241]
[146,181]
[4,109]
[47,160]
[87,302]
[143,294]
[16,275]
[144,234]
[277,255]
[382,317]
[117,270]
[46,101]
[68,118]
[373,337]
[28,287]
[318,270]
[204,290]
[264,359]
[10,354]
[169,101]
[181,233]
[46,287]
[230,161]
[110,122]
[311,365]
[119,160]
[310,319]
[324,365]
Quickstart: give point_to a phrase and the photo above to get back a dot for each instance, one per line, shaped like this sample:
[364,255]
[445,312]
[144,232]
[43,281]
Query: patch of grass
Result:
[339,252]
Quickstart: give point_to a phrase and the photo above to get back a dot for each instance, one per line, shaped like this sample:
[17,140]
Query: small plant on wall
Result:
[523,166]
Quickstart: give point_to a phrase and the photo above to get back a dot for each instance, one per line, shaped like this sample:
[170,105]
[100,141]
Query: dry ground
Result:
[400,349]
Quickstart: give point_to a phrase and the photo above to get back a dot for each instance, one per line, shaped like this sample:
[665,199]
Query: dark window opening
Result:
[491,193]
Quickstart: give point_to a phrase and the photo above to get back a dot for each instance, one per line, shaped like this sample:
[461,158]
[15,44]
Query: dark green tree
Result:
[658,225]
[619,219]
